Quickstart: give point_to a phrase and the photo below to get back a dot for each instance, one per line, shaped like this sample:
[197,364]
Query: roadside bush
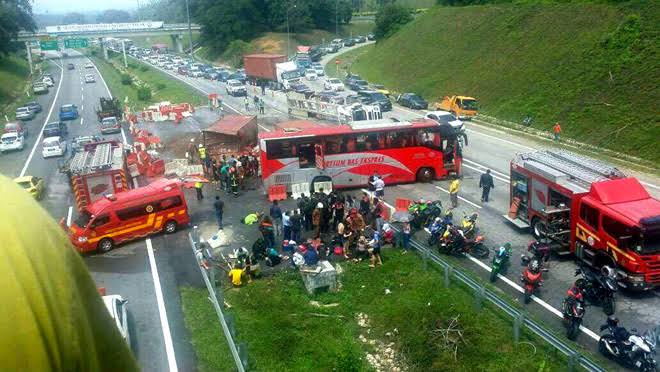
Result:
[161,86]
[126,79]
[235,51]
[390,19]
[144,93]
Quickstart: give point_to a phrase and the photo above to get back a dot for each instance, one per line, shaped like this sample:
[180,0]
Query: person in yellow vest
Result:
[453,192]
[198,188]
[52,317]
[237,274]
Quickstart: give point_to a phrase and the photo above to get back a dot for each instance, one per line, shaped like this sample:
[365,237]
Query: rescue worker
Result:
[261,107]
[224,176]
[316,219]
[486,183]
[234,183]
[237,274]
[198,189]
[453,192]
[191,151]
[203,159]
[251,218]
[52,316]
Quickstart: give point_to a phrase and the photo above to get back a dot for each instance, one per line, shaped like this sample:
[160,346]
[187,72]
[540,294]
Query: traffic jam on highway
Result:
[575,239]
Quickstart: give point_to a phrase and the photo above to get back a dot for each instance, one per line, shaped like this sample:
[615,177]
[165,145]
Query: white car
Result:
[116,306]
[310,74]
[89,65]
[445,117]
[333,84]
[53,146]
[319,70]
[89,78]
[196,73]
[11,141]
[236,88]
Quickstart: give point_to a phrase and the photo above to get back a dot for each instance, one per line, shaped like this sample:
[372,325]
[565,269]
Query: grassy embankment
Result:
[285,331]
[163,87]
[591,66]
[276,42]
[148,41]
[14,84]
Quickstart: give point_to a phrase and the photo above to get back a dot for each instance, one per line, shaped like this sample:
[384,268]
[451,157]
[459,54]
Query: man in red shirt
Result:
[557,130]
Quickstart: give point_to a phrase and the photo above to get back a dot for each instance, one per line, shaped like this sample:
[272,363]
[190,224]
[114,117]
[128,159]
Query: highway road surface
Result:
[488,149]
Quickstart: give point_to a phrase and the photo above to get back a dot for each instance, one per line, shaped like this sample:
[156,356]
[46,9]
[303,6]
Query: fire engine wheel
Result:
[425,175]
[105,245]
[170,227]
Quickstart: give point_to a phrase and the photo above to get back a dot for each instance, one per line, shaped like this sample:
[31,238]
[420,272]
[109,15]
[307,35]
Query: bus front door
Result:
[320,158]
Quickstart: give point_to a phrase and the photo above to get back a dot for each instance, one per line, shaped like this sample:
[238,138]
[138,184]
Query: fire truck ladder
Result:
[102,158]
[575,166]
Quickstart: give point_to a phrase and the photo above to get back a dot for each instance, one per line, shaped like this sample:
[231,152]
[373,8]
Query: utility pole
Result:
[288,36]
[29,55]
[336,18]
[189,29]
[123,48]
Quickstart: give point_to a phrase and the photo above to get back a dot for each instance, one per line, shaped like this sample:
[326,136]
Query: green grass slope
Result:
[14,72]
[592,67]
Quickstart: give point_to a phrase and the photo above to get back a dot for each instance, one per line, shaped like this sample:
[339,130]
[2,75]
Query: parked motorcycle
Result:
[439,227]
[500,262]
[531,277]
[540,250]
[424,212]
[628,348]
[469,225]
[454,242]
[573,311]
[598,288]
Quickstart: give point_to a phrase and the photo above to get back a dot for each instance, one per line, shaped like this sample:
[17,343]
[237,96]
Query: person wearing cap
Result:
[316,219]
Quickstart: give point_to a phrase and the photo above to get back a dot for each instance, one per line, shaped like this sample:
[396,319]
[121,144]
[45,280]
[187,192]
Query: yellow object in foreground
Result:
[52,317]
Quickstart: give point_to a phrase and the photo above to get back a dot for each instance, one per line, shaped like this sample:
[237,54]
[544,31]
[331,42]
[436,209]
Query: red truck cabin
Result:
[117,218]
[347,155]
[589,209]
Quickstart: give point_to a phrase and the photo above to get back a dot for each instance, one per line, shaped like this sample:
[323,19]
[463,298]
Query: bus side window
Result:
[168,203]
[350,144]
[100,221]
[361,144]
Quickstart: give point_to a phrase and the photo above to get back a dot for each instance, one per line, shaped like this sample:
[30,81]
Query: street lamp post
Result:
[189,29]
[288,37]
[337,18]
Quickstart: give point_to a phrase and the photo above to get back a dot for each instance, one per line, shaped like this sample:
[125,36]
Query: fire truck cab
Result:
[99,168]
[591,210]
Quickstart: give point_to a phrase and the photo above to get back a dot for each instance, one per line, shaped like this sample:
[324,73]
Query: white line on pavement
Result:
[481,171]
[82,107]
[82,120]
[36,142]
[460,197]
[650,185]
[485,167]
[68,216]
[500,139]
[169,347]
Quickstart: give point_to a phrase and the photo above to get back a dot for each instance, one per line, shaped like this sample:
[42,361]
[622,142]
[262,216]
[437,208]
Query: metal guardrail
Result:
[238,351]
[574,356]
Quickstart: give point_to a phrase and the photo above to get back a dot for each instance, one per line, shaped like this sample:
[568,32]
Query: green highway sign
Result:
[49,45]
[75,43]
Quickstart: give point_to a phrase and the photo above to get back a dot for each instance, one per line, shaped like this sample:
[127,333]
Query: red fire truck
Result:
[589,209]
[96,170]
[347,155]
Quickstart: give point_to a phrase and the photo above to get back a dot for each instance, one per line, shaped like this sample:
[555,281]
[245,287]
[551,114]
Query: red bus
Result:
[117,218]
[347,155]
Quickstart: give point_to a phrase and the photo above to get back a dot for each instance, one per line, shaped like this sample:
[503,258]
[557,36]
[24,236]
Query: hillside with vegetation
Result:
[593,67]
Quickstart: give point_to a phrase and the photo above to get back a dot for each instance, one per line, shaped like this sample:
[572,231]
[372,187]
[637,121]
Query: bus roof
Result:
[155,188]
[365,126]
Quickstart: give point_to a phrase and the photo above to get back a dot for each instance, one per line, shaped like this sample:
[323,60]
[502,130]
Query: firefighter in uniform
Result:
[234,181]
[203,158]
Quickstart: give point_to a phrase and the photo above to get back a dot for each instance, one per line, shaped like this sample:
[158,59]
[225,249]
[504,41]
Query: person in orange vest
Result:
[557,130]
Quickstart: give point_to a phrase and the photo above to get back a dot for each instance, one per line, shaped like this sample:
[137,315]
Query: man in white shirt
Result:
[379,186]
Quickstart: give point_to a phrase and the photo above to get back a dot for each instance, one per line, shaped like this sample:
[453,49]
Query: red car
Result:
[16,127]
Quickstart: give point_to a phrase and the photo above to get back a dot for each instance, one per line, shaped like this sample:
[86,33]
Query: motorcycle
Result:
[454,242]
[598,289]
[634,351]
[573,311]
[439,227]
[540,250]
[500,262]
[469,225]
[531,277]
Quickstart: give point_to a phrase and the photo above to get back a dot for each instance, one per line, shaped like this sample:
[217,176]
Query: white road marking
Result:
[650,185]
[501,140]
[460,197]
[165,325]
[481,171]
[82,107]
[82,120]
[485,167]
[36,142]
[68,216]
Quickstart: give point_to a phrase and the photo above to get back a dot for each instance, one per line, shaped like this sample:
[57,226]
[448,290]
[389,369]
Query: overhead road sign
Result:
[49,45]
[75,43]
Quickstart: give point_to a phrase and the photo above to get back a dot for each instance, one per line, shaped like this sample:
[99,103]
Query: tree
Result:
[15,16]
[114,16]
[224,21]
[345,12]
[389,20]
[73,18]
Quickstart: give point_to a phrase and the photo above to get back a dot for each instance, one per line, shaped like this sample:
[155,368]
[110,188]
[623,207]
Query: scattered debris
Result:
[450,337]
[387,291]
[383,356]
[318,304]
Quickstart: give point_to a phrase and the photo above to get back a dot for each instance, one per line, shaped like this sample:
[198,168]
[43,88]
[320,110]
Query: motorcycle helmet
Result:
[421,201]
[473,217]
[507,246]
[607,271]
[612,321]
[437,219]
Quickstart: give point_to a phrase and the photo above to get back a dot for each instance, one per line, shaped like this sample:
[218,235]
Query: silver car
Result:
[24,113]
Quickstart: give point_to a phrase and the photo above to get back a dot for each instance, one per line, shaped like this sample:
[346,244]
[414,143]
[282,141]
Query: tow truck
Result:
[589,209]
[97,169]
